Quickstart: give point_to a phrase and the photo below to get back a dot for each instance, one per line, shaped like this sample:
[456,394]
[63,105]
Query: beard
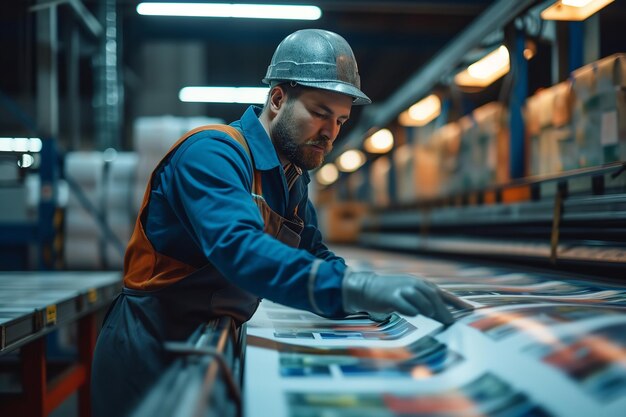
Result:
[285,138]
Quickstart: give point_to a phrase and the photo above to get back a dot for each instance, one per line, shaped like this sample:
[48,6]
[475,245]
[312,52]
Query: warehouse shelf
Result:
[583,221]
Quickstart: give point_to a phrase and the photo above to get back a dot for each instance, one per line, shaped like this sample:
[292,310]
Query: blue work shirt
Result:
[201,209]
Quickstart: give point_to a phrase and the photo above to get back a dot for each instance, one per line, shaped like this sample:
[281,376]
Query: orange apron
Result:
[164,299]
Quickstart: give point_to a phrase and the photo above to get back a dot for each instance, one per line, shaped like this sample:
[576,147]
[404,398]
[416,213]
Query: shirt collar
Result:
[262,149]
[263,153]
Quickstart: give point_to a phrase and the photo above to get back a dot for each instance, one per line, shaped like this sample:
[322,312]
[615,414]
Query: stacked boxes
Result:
[447,142]
[581,122]
[599,113]
[341,222]
[550,139]
[427,170]
[405,174]
[83,236]
[484,149]
[379,180]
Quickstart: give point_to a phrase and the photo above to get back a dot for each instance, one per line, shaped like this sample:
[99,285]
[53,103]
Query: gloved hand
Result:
[380,295]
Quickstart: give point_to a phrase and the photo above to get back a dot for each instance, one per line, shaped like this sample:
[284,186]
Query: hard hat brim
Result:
[342,88]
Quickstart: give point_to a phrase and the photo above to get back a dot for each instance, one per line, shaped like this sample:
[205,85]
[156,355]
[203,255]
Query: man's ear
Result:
[277,98]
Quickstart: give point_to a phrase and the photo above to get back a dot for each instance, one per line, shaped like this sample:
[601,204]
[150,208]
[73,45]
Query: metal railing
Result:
[204,378]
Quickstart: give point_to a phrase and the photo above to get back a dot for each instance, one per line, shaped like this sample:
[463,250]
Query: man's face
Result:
[305,127]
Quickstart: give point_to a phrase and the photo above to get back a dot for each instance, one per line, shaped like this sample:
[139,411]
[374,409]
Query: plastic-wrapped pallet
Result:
[427,170]
[379,179]
[82,233]
[484,149]
[405,174]
[447,141]
[599,113]
[550,140]
[152,138]
[118,204]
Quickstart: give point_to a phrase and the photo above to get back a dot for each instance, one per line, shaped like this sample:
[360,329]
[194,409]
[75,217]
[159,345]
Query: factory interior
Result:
[490,163]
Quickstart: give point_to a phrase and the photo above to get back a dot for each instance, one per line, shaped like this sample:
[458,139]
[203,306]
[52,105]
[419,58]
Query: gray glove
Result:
[380,295]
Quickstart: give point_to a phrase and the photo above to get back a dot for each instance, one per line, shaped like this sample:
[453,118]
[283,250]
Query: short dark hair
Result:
[292,90]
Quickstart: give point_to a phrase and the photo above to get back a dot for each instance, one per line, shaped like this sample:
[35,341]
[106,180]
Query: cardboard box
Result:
[600,76]
[485,147]
[341,222]
[405,178]
[549,138]
[379,180]
[427,171]
[562,103]
[600,127]
[447,142]
[358,187]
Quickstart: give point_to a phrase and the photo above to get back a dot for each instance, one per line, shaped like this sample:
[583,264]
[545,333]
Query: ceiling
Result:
[391,41]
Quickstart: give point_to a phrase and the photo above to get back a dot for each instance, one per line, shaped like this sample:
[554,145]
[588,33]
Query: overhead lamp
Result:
[244,95]
[379,142]
[20,145]
[486,70]
[248,11]
[422,112]
[351,160]
[573,10]
[26,161]
[327,174]
[530,50]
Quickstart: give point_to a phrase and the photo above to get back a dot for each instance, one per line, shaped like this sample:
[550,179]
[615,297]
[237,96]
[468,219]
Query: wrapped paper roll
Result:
[85,168]
[123,167]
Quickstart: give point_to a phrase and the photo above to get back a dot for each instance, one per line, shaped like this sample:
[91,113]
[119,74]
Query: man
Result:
[226,219]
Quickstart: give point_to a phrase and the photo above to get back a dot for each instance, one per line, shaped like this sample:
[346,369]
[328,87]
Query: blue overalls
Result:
[235,223]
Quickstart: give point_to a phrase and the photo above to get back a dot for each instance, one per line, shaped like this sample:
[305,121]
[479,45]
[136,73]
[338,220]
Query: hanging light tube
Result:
[247,11]
[422,112]
[20,145]
[379,142]
[350,160]
[573,10]
[327,174]
[486,70]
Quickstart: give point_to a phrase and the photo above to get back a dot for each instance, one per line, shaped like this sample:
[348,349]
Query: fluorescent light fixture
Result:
[576,3]
[20,145]
[422,112]
[249,11]
[379,142]
[6,144]
[34,144]
[486,70]
[327,174]
[245,95]
[351,160]
[573,10]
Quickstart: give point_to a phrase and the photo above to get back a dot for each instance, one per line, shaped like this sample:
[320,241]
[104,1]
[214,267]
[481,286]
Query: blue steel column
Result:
[48,172]
[576,35]
[519,67]
[48,121]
